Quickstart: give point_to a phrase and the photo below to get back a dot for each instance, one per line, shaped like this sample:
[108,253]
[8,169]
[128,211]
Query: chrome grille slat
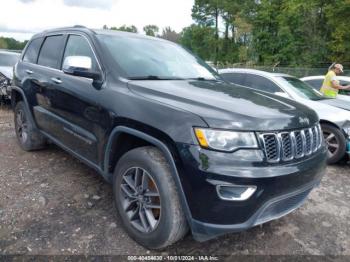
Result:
[286,146]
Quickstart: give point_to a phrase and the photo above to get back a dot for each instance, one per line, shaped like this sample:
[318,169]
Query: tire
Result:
[28,137]
[168,223]
[335,141]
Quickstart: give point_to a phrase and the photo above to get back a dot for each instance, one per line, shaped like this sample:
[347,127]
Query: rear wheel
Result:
[335,141]
[147,200]
[27,136]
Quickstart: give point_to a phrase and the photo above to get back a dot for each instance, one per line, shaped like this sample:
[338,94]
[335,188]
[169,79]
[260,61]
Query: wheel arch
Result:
[119,132]
[322,121]
[17,95]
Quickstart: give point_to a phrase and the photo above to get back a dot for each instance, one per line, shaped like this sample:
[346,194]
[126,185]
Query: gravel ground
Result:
[52,204]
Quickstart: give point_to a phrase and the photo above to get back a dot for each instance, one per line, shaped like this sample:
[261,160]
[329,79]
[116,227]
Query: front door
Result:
[68,110]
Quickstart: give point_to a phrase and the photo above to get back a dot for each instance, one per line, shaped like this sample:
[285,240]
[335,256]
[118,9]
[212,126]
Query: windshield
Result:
[142,58]
[8,59]
[303,89]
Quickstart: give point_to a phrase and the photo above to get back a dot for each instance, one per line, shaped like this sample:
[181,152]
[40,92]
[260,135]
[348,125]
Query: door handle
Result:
[29,72]
[56,80]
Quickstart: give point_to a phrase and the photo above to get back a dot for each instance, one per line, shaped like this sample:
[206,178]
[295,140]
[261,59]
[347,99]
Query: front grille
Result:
[286,146]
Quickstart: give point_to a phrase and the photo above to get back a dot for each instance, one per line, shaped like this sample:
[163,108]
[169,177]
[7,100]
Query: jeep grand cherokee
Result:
[181,148]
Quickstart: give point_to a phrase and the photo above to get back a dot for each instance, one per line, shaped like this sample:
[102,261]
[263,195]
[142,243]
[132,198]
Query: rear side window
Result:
[316,84]
[51,51]
[79,46]
[235,78]
[344,83]
[261,83]
[31,54]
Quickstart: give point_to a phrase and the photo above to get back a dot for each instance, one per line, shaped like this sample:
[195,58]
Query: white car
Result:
[317,81]
[7,61]
[335,121]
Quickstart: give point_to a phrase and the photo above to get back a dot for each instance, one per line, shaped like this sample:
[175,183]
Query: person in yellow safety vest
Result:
[331,85]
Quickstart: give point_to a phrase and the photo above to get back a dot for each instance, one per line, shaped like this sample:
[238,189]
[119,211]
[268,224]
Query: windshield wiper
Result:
[154,77]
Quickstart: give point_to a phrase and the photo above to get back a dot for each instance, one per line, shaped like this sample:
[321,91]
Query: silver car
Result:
[7,61]
[317,81]
[334,118]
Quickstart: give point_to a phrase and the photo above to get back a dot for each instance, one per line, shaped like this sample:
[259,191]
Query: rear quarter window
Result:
[51,52]
[32,51]
[235,78]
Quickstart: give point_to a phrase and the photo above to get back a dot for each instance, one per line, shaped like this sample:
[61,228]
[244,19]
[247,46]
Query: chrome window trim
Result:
[64,34]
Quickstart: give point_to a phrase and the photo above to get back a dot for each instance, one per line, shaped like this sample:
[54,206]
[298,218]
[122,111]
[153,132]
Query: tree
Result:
[206,13]
[3,43]
[337,15]
[125,28]
[11,43]
[200,40]
[151,30]
[170,34]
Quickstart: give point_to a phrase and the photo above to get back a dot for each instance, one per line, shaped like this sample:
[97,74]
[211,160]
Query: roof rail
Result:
[80,26]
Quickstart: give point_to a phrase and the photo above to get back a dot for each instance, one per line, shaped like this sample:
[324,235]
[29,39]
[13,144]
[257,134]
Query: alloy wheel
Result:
[332,143]
[22,126]
[140,199]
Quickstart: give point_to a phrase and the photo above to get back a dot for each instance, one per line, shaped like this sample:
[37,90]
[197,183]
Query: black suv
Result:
[182,148]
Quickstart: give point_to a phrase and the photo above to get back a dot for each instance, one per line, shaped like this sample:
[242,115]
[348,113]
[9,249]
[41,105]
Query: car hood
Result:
[228,106]
[328,112]
[6,71]
[340,103]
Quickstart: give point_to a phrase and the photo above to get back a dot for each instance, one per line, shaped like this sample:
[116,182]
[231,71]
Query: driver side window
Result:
[78,46]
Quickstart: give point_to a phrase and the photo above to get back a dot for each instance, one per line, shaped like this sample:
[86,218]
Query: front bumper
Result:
[281,188]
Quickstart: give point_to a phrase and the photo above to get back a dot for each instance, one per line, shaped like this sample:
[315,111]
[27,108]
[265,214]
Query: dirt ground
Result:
[52,204]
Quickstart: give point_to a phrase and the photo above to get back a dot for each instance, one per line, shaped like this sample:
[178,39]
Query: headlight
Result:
[225,140]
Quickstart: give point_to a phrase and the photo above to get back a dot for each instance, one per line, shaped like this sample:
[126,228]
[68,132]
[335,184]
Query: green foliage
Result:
[151,30]
[200,40]
[338,19]
[288,32]
[11,44]
[170,34]
[125,28]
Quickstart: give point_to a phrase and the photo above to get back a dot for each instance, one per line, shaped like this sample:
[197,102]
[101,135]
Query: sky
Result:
[20,19]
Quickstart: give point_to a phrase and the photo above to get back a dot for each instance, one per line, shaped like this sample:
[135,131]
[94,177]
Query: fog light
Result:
[235,192]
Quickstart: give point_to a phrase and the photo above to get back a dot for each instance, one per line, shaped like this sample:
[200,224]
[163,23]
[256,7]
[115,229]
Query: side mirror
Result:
[283,94]
[80,66]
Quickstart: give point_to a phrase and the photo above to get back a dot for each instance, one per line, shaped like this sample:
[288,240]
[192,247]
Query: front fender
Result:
[117,131]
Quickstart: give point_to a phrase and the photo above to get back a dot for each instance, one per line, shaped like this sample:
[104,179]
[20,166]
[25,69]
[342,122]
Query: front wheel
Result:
[147,199]
[335,141]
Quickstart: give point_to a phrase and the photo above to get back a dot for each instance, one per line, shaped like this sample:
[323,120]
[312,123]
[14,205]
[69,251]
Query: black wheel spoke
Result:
[144,182]
[150,218]
[126,190]
[152,206]
[134,214]
[151,194]
[143,219]
[130,183]
[138,177]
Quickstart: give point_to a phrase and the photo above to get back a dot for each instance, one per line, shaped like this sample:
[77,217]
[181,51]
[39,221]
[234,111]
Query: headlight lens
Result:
[225,140]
